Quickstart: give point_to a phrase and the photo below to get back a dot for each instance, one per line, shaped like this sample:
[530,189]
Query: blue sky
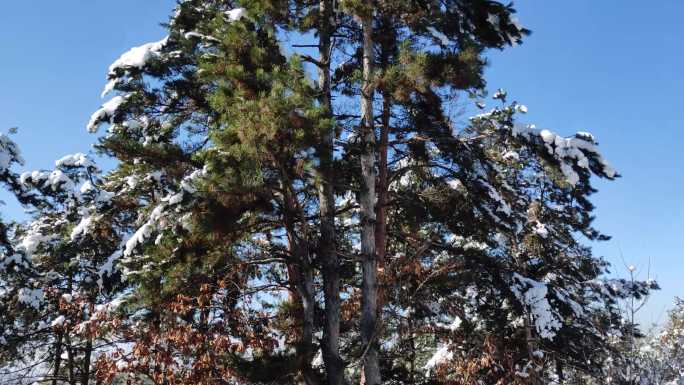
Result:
[609,67]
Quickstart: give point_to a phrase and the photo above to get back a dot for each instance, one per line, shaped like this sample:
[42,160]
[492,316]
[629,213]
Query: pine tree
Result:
[59,282]
[232,160]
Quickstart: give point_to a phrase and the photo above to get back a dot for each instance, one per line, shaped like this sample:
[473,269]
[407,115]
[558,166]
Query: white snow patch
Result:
[75,160]
[59,321]
[31,297]
[533,295]
[443,39]
[105,113]
[236,14]
[442,355]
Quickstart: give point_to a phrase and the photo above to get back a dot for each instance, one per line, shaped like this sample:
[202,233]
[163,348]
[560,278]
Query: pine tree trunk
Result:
[369,315]
[70,359]
[334,366]
[308,309]
[383,192]
[301,272]
[301,281]
[381,206]
[58,358]
[387,47]
[87,352]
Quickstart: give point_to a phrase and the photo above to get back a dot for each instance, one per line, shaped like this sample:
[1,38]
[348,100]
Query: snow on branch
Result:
[9,153]
[106,113]
[135,58]
[533,295]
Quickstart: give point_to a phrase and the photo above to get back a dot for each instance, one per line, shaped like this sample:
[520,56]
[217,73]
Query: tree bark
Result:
[383,192]
[334,366]
[70,359]
[369,315]
[58,358]
[301,275]
[87,352]
[387,41]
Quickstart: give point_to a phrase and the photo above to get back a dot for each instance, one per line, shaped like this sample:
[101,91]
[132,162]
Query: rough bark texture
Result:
[388,45]
[381,224]
[334,366]
[369,309]
[301,276]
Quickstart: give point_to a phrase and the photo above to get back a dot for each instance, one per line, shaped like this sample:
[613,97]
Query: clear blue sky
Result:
[610,67]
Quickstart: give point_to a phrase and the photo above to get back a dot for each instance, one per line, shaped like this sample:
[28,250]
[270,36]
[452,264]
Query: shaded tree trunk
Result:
[369,309]
[70,359]
[301,276]
[334,365]
[58,358]
[87,352]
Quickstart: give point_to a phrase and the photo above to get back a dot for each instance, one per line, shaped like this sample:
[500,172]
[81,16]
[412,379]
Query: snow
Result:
[30,242]
[31,297]
[499,94]
[100,196]
[466,243]
[105,113]
[494,194]
[138,237]
[75,160]
[511,156]
[317,361]
[455,324]
[533,295]
[108,267]
[136,57]
[59,321]
[17,259]
[493,20]
[145,230]
[56,180]
[236,14]
[456,184]
[569,152]
[541,230]
[443,39]
[442,355]
[585,136]
[9,152]
[193,34]
[82,228]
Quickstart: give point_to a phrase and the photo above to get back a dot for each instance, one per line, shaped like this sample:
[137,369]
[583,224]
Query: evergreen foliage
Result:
[297,200]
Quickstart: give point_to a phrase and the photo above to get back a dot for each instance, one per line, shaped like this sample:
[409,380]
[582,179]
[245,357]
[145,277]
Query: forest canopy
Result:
[297,199]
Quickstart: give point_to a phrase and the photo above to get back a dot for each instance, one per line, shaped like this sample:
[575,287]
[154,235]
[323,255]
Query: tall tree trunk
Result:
[301,274]
[334,366]
[87,352]
[369,315]
[58,358]
[383,191]
[88,349]
[301,280]
[387,41]
[70,359]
